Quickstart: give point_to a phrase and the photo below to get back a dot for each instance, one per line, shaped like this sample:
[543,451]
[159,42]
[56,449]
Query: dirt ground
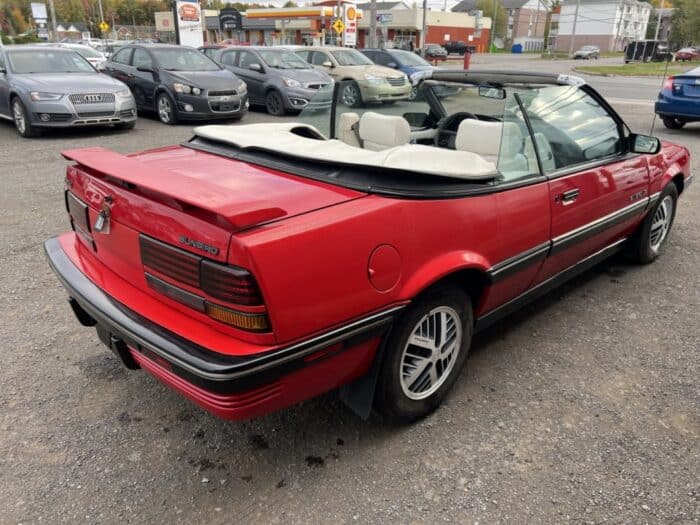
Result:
[584,407]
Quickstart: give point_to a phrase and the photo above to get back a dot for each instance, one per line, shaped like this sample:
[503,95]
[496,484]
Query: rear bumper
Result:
[232,387]
[689,109]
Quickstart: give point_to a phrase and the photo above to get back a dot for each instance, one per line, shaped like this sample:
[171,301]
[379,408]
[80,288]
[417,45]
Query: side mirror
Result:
[327,63]
[392,65]
[145,69]
[255,67]
[644,144]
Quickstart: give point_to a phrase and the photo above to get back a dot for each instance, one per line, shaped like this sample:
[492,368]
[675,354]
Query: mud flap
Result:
[358,396]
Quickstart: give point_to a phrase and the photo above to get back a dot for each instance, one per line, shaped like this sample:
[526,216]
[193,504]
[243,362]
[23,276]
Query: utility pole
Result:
[54,26]
[493,25]
[339,36]
[424,28]
[372,24]
[658,20]
[573,31]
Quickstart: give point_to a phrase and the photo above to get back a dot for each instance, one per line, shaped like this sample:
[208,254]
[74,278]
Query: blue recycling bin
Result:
[517,48]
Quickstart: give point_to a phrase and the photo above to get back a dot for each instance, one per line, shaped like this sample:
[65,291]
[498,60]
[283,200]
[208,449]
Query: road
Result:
[619,89]
[584,407]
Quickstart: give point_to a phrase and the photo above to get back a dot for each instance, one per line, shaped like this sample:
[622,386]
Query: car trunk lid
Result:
[686,85]
[189,200]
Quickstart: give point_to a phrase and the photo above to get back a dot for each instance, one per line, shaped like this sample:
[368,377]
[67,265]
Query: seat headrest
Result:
[384,131]
[484,137]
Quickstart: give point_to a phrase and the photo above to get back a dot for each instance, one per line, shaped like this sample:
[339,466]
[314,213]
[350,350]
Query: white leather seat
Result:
[546,154]
[497,142]
[379,132]
[345,132]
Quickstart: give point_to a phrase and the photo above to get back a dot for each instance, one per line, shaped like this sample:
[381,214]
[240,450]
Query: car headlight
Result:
[374,81]
[123,93]
[38,96]
[290,82]
[242,88]
[184,88]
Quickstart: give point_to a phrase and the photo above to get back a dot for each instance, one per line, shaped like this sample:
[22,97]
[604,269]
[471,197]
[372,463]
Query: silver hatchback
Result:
[51,87]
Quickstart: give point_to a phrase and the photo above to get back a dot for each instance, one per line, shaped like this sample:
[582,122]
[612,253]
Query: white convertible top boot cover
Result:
[288,139]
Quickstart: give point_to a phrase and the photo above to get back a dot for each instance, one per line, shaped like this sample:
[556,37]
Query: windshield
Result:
[588,48]
[178,59]
[48,61]
[409,59]
[350,57]
[279,59]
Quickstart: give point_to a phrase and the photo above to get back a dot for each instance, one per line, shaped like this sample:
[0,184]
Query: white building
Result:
[608,24]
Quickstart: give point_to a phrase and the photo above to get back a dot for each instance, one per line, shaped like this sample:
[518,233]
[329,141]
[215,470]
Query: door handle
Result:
[568,196]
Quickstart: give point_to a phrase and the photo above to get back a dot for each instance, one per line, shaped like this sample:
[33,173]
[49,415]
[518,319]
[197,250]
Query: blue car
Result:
[679,99]
[405,61]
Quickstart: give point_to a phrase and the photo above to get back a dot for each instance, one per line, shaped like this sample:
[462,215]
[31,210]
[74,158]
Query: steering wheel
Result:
[447,129]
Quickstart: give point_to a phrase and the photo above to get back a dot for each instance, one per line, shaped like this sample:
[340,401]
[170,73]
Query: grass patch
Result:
[649,69]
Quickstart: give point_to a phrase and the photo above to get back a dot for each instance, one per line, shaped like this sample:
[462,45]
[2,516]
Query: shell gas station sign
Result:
[350,32]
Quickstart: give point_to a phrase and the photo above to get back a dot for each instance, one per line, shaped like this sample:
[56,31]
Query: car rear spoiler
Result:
[188,191]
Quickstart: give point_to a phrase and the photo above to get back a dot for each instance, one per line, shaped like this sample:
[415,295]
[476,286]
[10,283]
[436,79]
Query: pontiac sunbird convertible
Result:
[256,266]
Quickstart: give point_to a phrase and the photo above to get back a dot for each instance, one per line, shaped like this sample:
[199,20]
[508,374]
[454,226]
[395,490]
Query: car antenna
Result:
[663,79]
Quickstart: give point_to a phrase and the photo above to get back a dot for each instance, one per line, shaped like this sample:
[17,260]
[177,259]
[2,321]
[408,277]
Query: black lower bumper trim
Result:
[198,365]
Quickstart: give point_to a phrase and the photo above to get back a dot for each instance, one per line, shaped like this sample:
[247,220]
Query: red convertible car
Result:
[256,266]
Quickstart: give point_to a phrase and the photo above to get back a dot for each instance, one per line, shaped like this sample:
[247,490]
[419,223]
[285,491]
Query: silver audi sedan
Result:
[51,87]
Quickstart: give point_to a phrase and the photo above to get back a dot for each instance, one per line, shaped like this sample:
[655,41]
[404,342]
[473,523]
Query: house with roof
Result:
[608,24]
[71,30]
[527,20]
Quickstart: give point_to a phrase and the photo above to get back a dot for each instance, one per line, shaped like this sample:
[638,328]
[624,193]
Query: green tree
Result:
[685,25]
[500,22]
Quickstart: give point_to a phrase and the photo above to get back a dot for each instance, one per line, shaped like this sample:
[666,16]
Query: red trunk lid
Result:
[185,198]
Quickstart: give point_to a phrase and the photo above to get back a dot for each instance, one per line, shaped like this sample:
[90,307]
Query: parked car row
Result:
[58,85]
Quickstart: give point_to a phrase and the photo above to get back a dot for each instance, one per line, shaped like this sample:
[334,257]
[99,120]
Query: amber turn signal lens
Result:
[244,321]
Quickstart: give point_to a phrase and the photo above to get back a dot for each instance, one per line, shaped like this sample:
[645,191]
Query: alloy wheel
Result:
[430,353]
[413,95]
[351,95]
[274,103]
[20,119]
[165,109]
[661,223]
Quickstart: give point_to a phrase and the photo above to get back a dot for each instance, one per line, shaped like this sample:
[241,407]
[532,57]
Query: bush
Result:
[26,39]
[5,40]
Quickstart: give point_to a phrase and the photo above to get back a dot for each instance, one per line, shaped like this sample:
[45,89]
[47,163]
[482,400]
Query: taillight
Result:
[230,284]
[668,84]
[242,320]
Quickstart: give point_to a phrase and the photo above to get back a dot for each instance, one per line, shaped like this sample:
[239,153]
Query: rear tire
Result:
[21,119]
[673,122]
[650,239]
[425,354]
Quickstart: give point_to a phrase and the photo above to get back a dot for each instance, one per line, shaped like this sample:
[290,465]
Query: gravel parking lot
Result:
[585,407]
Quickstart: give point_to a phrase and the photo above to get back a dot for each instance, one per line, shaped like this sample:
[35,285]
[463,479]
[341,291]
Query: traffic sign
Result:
[104,26]
[338,26]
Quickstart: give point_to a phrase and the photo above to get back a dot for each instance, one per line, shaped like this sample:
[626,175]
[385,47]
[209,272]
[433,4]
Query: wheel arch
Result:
[467,270]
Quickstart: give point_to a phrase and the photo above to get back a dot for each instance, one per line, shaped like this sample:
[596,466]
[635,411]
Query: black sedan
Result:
[179,83]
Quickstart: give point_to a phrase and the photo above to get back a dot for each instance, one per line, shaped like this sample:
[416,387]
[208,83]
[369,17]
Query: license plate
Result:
[226,107]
